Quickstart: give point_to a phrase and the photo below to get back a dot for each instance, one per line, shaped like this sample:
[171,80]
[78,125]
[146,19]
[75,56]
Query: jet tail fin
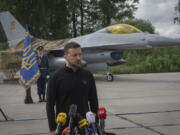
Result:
[14,31]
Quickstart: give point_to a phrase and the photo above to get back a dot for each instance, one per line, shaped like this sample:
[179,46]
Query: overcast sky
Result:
[160,13]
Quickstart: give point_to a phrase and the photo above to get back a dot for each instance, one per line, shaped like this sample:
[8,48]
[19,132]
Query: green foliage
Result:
[45,19]
[116,9]
[3,40]
[146,61]
[3,46]
[58,19]
[176,18]
[2,35]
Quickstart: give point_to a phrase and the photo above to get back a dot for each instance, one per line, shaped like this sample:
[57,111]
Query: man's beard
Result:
[75,65]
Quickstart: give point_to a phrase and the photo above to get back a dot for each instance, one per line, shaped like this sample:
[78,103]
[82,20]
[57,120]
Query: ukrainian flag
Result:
[29,72]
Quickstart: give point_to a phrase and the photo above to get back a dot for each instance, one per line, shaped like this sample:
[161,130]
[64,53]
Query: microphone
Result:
[76,131]
[72,110]
[64,131]
[60,120]
[91,119]
[83,124]
[102,116]
[72,114]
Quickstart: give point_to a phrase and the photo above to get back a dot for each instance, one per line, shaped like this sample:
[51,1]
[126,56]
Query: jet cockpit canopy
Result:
[122,29]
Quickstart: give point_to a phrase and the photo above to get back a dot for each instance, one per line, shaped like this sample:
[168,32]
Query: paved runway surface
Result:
[137,104]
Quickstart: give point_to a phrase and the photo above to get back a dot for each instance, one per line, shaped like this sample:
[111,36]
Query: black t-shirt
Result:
[66,87]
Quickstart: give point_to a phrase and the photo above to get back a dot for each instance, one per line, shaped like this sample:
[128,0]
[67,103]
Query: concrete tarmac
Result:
[136,104]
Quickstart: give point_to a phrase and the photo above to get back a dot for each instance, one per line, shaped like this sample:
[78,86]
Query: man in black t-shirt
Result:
[71,85]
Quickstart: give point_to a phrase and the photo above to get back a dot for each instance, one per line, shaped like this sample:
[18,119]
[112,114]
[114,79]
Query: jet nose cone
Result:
[160,41]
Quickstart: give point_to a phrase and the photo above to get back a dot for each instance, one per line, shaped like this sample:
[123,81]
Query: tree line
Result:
[58,19]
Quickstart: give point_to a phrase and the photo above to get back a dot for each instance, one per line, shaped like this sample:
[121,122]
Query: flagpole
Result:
[28,99]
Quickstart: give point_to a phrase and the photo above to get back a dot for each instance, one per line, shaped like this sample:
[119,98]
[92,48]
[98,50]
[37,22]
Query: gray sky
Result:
[160,13]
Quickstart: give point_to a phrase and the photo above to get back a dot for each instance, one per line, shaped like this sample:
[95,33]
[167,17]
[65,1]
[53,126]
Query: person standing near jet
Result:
[43,64]
[71,85]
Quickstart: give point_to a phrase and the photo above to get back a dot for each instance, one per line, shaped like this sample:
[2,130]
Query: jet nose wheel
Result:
[109,77]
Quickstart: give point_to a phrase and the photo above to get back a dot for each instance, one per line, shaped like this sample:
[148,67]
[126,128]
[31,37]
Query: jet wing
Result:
[106,41]
[118,42]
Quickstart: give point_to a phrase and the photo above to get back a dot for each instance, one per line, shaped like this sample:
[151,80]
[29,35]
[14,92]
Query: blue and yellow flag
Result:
[29,72]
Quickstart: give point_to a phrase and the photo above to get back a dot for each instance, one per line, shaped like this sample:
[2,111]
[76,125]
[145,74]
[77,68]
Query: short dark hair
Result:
[70,45]
[40,48]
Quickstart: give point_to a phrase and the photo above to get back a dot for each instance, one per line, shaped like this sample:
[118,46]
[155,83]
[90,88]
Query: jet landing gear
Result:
[109,77]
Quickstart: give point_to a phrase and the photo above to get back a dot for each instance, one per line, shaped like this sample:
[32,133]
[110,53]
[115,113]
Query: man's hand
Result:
[52,133]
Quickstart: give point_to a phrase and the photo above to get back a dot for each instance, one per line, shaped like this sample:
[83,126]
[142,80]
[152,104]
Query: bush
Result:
[145,61]
[3,46]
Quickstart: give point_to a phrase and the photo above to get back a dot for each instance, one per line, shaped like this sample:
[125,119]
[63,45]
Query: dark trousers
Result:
[41,85]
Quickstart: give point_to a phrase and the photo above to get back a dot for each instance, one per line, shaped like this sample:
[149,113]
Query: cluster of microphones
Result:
[78,124]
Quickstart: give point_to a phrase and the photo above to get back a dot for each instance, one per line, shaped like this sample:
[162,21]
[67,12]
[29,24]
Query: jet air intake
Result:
[56,63]
[108,56]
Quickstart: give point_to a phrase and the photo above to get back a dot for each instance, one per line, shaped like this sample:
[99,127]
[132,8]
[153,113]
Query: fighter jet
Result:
[105,47]
[101,49]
